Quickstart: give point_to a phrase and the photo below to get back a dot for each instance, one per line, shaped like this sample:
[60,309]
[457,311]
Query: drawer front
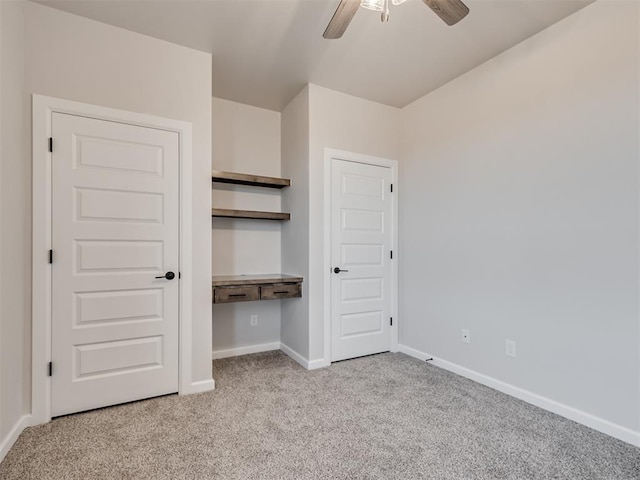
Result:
[235,294]
[280,290]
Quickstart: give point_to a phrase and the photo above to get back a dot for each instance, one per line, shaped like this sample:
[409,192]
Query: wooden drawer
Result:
[280,290]
[236,294]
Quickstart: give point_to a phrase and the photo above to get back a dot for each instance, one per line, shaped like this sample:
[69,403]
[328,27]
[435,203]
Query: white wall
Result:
[518,198]
[519,216]
[316,119]
[246,139]
[294,332]
[75,58]
[341,122]
[15,229]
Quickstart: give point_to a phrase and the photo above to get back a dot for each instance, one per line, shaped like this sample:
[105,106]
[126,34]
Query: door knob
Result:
[338,270]
[168,276]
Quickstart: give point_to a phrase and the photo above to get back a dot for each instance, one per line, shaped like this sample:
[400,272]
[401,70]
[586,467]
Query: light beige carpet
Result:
[387,416]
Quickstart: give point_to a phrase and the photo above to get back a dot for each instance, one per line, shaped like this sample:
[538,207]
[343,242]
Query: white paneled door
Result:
[361,236]
[115,231]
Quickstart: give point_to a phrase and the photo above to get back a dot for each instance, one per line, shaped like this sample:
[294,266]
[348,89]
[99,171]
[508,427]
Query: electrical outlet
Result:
[466,336]
[510,348]
[254,320]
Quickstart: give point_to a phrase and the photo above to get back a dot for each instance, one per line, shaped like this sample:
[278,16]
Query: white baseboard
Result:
[267,347]
[200,386]
[236,352]
[7,442]
[618,431]
[306,363]
[294,355]
[319,363]
[412,352]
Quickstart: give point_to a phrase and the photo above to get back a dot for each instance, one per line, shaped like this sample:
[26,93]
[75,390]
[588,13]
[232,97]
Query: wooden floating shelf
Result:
[227,213]
[251,180]
[244,280]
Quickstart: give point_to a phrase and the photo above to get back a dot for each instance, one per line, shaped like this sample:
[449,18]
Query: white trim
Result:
[237,351]
[294,355]
[600,424]
[305,362]
[43,108]
[412,352]
[330,154]
[202,386]
[316,364]
[7,442]
[268,347]
[326,255]
[185,385]
[41,269]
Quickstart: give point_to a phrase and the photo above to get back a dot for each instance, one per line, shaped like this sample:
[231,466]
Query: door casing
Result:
[329,155]
[43,107]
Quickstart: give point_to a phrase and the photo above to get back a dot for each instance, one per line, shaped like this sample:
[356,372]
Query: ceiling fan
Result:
[451,11]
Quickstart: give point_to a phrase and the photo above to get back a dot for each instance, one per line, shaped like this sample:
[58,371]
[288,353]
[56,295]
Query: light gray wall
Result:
[15,227]
[71,57]
[246,139]
[343,122]
[79,59]
[519,215]
[295,233]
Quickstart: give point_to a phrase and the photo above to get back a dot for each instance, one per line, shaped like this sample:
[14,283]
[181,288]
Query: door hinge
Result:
[391,321]
[50,369]
[50,256]
[391,254]
[392,188]
[51,144]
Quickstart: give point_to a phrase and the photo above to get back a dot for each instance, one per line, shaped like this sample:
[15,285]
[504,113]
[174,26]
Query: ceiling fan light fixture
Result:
[450,11]
[375,5]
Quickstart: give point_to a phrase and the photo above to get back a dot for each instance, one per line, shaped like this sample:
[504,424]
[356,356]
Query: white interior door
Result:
[361,236]
[115,230]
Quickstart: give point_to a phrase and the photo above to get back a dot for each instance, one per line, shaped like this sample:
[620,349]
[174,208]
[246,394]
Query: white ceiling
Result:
[265,51]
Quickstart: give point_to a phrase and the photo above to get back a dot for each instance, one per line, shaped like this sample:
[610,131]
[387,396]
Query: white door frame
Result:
[43,109]
[329,155]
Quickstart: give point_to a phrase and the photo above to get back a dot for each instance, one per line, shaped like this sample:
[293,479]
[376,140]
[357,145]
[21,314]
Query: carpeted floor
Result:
[387,416]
